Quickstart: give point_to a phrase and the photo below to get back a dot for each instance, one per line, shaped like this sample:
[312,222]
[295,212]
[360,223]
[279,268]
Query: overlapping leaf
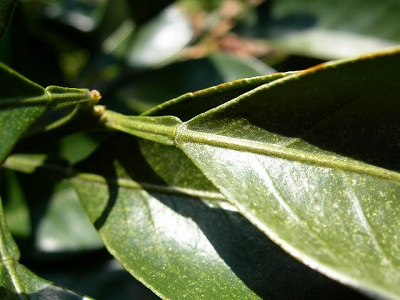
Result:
[140,95]
[17,282]
[313,160]
[23,101]
[169,227]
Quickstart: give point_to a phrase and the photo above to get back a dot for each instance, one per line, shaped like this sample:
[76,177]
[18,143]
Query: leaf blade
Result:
[23,101]
[250,139]
[16,280]
[171,229]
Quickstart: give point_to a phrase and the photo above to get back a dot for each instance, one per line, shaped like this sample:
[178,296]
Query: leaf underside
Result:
[310,158]
[312,161]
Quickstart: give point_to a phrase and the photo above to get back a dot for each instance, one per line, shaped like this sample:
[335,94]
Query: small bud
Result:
[95,96]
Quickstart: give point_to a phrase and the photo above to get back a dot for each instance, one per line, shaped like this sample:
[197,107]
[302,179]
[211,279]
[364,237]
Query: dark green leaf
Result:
[23,101]
[312,160]
[56,219]
[17,282]
[30,286]
[169,227]
[140,94]
[6,10]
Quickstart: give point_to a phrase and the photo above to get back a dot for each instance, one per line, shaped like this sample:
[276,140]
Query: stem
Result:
[55,97]
[157,129]
[61,97]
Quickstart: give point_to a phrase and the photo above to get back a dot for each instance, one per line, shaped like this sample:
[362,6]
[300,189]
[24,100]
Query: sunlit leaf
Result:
[312,160]
[169,227]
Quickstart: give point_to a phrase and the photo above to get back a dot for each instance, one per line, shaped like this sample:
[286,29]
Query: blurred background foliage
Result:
[139,54]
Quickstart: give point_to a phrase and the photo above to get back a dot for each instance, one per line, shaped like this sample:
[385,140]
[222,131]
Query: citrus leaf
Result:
[17,282]
[6,10]
[312,160]
[170,228]
[162,129]
[189,105]
[32,286]
[23,101]
[140,95]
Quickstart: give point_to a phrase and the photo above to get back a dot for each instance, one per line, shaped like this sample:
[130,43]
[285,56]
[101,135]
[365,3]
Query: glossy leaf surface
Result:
[312,160]
[169,227]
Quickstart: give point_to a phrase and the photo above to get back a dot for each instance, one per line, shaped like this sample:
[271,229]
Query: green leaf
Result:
[6,10]
[30,285]
[17,282]
[162,129]
[170,228]
[58,223]
[312,159]
[140,95]
[329,29]
[23,101]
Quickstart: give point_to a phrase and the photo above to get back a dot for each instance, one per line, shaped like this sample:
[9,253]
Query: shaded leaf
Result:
[23,101]
[169,227]
[189,105]
[32,286]
[6,10]
[17,282]
[329,29]
[97,275]
[58,224]
[140,94]
[312,160]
